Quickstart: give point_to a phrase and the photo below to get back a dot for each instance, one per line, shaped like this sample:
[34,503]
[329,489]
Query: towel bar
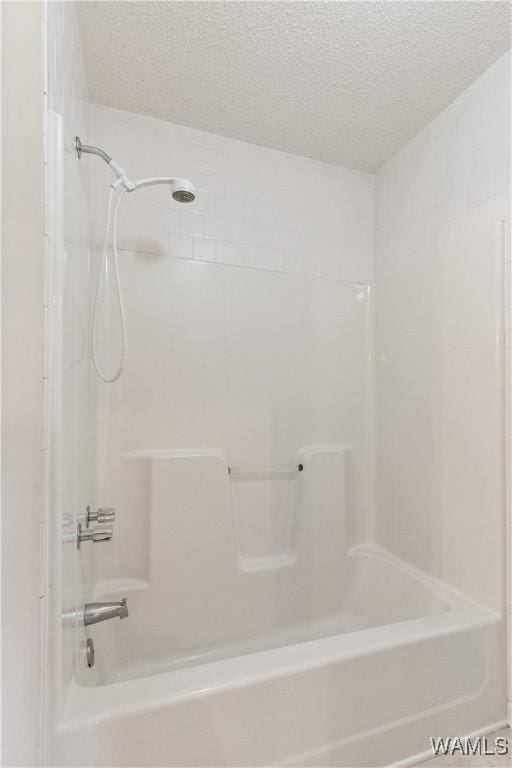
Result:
[269,469]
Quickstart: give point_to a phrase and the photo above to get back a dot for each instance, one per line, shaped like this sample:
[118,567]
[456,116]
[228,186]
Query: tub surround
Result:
[305,451]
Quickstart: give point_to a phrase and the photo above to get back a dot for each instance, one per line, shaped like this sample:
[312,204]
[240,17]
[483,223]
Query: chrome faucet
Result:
[95,535]
[95,612]
[101,516]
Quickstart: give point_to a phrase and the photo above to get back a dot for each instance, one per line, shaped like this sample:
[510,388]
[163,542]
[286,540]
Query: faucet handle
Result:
[102,515]
[95,535]
[102,534]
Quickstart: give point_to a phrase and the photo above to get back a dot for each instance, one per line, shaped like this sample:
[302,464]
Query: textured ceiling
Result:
[346,82]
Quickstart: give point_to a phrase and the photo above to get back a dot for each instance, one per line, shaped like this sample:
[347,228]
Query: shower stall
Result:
[300,457]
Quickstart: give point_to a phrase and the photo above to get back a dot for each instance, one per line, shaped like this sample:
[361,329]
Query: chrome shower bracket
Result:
[122,179]
[88,150]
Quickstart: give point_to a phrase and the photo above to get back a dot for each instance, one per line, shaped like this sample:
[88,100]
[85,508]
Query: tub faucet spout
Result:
[95,612]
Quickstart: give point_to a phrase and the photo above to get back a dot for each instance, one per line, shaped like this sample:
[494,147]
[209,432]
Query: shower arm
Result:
[88,150]
[121,177]
[182,190]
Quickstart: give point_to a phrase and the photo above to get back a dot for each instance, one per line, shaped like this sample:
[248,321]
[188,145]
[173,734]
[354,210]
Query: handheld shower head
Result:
[182,190]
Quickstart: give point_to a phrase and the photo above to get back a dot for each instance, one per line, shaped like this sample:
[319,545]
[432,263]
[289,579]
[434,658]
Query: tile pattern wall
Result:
[255,207]
[439,201]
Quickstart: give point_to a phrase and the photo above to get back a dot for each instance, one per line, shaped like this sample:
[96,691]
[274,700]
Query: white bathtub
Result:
[407,658]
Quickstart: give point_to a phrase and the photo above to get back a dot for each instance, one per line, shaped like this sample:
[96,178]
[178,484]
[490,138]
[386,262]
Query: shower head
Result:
[182,190]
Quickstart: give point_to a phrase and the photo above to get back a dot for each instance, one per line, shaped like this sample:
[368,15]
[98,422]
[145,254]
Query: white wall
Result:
[249,317]
[69,382]
[440,401]
[23,433]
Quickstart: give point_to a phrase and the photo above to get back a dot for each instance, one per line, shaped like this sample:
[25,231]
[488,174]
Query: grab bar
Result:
[269,469]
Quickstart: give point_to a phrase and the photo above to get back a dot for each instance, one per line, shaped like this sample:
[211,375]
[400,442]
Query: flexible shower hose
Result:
[101,279]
